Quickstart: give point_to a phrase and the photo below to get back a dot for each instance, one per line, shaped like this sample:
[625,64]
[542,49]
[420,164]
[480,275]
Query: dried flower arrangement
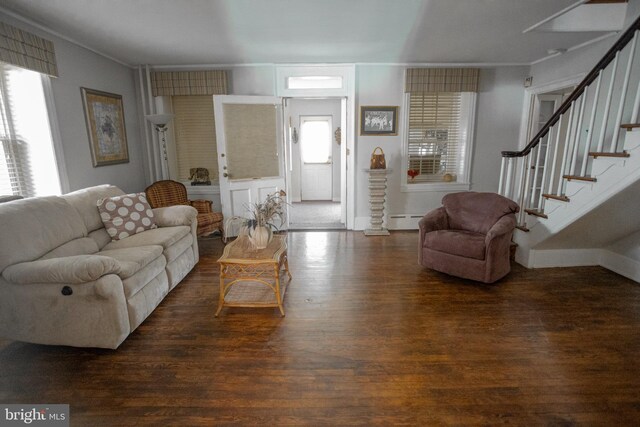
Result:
[270,214]
[265,214]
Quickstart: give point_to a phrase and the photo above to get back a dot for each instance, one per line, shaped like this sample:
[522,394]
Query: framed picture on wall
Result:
[378,120]
[104,115]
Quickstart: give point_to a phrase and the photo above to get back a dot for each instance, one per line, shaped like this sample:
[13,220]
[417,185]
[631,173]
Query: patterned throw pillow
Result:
[126,215]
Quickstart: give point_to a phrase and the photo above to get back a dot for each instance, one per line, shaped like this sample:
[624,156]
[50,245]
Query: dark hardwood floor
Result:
[370,338]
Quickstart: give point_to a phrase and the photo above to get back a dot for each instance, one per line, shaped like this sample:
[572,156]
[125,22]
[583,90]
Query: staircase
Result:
[578,180]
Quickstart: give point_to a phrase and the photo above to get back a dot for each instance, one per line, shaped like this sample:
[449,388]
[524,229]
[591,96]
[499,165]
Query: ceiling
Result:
[191,32]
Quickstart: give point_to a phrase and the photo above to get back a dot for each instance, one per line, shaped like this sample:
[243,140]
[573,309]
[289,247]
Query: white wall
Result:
[253,80]
[315,107]
[79,67]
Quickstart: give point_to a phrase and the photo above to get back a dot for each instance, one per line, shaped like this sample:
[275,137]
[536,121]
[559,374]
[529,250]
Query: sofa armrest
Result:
[505,225]
[70,270]
[172,216]
[434,220]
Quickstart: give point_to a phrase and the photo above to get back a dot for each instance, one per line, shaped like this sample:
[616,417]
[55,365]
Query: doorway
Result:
[314,176]
[544,105]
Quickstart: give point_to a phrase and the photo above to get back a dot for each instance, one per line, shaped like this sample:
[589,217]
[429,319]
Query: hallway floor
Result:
[315,215]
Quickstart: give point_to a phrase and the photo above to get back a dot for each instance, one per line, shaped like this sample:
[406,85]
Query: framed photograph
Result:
[104,114]
[378,120]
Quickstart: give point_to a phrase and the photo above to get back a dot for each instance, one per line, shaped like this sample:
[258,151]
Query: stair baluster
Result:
[565,153]
[530,164]
[623,95]
[592,120]
[500,181]
[509,183]
[556,150]
[543,187]
[534,183]
[524,177]
[576,143]
[607,105]
[636,107]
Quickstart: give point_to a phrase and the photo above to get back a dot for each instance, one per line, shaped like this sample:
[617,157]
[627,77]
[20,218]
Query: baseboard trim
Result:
[403,221]
[564,258]
[624,266]
[620,264]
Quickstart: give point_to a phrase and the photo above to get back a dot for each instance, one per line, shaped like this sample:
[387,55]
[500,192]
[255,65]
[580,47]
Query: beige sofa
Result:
[63,281]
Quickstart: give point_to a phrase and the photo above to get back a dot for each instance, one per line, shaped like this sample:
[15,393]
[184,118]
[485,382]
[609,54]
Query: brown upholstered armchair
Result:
[469,236]
[165,193]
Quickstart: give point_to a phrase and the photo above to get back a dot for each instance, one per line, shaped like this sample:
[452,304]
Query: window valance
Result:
[171,83]
[441,80]
[26,50]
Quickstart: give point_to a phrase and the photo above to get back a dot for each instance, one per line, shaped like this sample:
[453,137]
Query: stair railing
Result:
[564,147]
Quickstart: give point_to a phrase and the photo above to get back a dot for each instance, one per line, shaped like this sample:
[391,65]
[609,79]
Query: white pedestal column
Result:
[377,196]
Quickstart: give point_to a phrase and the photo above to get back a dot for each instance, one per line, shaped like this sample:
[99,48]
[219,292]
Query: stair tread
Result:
[596,154]
[579,178]
[561,198]
[536,212]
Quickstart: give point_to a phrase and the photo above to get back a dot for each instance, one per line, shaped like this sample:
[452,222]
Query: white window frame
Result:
[58,165]
[467,127]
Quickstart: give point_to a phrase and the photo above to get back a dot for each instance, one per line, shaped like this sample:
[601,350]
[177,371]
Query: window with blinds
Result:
[434,137]
[27,160]
[195,135]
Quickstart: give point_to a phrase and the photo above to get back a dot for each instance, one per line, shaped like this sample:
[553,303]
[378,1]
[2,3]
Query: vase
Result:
[259,236]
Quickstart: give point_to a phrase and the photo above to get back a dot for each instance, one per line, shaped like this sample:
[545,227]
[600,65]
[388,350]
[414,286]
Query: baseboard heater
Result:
[403,221]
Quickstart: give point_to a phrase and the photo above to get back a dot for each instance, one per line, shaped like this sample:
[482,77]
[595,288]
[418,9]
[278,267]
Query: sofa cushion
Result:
[69,270]
[132,260]
[100,236]
[81,246]
[31,227]
[126,215]
[178,248]
[84,201]
[133,285]
[456,242]
[164,237]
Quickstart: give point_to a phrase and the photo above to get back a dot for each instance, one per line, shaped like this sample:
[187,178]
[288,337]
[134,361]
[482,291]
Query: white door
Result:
[250,155]
[316,165]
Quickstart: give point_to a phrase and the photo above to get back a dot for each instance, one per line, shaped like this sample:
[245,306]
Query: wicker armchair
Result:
[170,193]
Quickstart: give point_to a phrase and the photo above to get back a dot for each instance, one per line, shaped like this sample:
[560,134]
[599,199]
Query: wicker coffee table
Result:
[250,277]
